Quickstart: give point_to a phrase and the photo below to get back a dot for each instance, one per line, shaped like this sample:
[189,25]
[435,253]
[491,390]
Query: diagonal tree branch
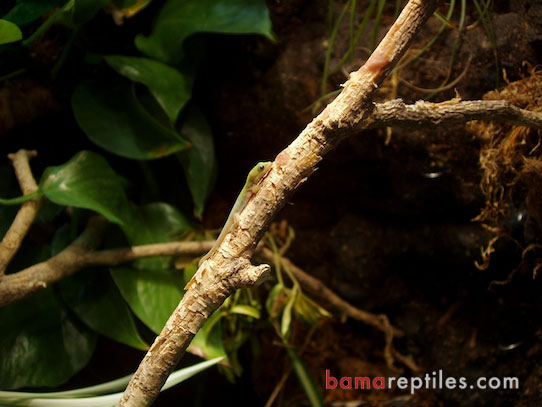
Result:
[26,214]
[229,268]
[392,113]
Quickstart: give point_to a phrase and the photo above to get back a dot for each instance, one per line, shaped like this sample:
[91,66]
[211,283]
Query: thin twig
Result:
[14,287]
[424,114]
[25,216]
[80,254]
[323,294]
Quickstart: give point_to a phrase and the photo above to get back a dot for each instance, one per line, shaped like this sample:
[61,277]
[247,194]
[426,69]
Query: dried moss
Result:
[511,159]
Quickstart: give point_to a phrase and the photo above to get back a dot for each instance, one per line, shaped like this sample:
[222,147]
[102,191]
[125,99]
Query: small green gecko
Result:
[252,186]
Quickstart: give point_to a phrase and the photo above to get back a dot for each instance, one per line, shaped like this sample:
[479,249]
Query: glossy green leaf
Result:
[113,118]
[170,88]
[9,32]
[78,12]
[156,223]
[151,294]
[179,19]
[87,181]
[199,162]
[26,11]
[40,344]
[208,341]
[150,286]
[96,300]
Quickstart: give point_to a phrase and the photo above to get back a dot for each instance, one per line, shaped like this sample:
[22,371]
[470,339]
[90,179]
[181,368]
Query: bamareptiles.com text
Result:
[434,380]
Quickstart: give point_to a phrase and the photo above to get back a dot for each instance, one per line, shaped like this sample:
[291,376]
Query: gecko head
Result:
[259,172]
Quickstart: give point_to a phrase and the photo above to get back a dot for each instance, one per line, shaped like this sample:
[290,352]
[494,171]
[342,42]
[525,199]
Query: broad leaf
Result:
[95,299]
[179,19]
[156,223]
[85,10]
[170,87]
[151,294]
[77,12]
[199,161]
[150,286]
[87,181]
[113,118]
[40,344]
[26,11]
[9,32]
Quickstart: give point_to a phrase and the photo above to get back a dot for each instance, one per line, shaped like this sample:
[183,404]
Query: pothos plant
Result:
[133,104]
[134,101]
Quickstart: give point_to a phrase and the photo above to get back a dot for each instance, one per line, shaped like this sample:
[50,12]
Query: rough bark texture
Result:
[81,254]
[229,268]
[423,114]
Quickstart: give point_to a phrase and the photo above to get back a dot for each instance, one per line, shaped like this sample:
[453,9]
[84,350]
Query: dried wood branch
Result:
[425,114]
[392,113]
[229,268]
[26,214]
[81,254]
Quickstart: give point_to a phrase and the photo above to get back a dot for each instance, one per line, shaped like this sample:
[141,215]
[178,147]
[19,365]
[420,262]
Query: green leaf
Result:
[305,379]
[156,223]
[95,299]
[199,162]
[26,11]
[179,19]
[125,3]
[77,12]
[276,301]
[245,310]
[208,341]
[151,294]
[87,181]
[9,32]
[150,286]
[308,311]
[113,118]
[85,10]
[170,88]
[287,316]
[61,398]
[40,344]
